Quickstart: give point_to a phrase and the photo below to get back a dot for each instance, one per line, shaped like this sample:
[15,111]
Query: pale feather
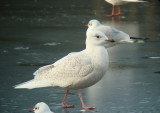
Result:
[120,2]
[65,71]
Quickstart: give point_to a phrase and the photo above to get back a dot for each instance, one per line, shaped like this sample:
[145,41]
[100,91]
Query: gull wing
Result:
[113,33]
[66,70]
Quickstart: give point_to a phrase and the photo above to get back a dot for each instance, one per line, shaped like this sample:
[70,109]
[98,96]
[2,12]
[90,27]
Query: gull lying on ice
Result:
[75,71]
[119,3]
[41,107]
[113,34]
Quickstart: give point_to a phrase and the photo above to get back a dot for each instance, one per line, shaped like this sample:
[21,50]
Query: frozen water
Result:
[51,44]
[133,80]
[21,48]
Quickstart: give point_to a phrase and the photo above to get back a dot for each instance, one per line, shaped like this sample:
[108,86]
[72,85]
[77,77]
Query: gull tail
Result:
[26,85]
[31,84]
[138,40]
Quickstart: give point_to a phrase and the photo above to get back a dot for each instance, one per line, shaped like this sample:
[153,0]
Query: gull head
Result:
[93,23]
[41,107]
[97,38]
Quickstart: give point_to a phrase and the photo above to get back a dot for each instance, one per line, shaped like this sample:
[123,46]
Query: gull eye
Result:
[36,108]
[98,36]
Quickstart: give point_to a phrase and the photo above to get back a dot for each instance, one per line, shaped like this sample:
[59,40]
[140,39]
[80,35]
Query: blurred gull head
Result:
[41,107]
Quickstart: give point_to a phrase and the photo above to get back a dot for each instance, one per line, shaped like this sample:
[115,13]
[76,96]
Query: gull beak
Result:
[32,110]
[110,40]
[86,25]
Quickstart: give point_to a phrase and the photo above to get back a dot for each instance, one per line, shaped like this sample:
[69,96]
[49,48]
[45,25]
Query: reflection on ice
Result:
[145,100]
[4,51]
[51,44]
[21,48]
[31,64]
[153,57]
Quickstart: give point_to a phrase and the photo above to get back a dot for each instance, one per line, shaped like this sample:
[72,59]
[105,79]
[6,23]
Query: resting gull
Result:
[112,33]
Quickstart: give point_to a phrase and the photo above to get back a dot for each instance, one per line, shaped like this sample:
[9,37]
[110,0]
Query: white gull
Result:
[41,107]
[119,3]
[112,33]
[75,71]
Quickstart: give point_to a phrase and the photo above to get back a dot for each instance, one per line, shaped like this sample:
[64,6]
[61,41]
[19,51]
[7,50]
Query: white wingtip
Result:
[31,84]
[26,85]
[126,41]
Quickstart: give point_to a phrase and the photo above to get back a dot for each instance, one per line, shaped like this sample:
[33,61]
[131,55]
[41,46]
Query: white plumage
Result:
[41,107]
[112,33]
[119,2]
[77,70]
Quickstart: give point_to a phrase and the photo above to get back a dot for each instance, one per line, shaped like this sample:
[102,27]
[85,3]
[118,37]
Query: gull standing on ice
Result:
[119,3]
[41,107]
[75,71]
[113,34]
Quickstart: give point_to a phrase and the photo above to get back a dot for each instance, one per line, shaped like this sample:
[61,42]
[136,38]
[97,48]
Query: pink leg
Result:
[119,10]
[63,102]
[83,106]
[112,12]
